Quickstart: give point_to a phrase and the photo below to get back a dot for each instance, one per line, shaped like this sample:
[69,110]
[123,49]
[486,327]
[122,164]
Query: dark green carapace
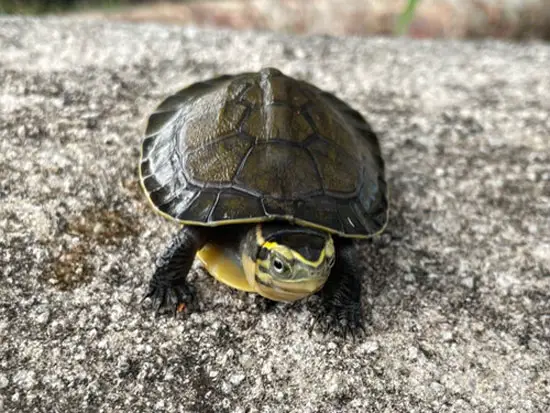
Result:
[260,146]
[238,158]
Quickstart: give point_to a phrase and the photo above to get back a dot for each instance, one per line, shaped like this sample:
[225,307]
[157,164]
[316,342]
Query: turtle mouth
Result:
[289,290]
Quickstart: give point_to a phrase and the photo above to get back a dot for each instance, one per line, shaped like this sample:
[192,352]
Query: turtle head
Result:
[284,262]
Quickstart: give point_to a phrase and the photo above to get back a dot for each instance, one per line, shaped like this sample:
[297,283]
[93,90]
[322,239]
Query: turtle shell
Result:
[261,146]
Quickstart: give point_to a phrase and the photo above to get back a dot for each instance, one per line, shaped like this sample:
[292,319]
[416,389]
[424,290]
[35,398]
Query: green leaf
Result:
[404,20]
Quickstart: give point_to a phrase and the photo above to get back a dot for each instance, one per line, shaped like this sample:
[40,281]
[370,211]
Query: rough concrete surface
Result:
[459,286]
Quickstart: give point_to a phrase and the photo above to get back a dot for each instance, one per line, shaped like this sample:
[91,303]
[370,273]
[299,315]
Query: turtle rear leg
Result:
[168,286]
[341,296]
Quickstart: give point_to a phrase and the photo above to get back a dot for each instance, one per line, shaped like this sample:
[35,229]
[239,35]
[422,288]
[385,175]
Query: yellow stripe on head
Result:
[290,254]
[305,245]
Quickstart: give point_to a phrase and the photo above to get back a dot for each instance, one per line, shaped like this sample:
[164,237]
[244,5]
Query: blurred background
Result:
[510,19]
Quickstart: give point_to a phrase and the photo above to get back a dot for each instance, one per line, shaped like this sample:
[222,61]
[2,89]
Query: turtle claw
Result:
[157,305]
[343,321]
[173,297]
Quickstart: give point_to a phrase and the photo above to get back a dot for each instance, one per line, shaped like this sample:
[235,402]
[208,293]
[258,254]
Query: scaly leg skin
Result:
[168,286]
[341,296]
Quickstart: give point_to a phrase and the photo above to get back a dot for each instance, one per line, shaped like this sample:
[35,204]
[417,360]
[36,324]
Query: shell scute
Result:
[258,146]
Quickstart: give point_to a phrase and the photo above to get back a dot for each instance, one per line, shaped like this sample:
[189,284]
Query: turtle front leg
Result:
[341,296]
[168,286]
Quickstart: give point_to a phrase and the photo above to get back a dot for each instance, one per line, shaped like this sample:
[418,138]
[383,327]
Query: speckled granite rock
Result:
[459,287]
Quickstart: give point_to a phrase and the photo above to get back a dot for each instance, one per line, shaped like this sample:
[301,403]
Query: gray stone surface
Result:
[460,289]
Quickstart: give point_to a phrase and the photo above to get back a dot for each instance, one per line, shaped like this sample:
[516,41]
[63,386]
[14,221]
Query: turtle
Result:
[272,181]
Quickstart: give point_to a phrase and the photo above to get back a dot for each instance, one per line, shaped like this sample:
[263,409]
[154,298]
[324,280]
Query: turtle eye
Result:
[278,265]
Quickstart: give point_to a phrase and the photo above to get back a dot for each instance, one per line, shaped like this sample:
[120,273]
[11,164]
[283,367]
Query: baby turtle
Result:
[272,180]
